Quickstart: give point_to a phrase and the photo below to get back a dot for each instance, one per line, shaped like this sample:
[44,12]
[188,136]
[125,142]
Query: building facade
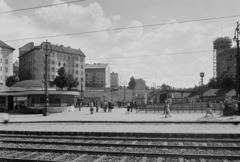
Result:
[225,57]
[6,63]
[97,76]
[114,80]
[15,68]
[140,84]
[32,62]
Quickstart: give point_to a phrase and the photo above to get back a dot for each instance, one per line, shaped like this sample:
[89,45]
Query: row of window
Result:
[64,64]
[90,74]
[6,61]
[64,57]
[6,69]
[1,77]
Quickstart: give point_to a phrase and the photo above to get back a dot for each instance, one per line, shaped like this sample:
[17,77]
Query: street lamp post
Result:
[236,38]
[124,96]
[202,75]
[46,46]
[81,93]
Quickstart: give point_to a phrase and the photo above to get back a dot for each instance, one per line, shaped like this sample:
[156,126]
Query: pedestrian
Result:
[128,107]
[235,108]
[105,105]
[209,109]
[91,107]
[221,107]
[167,111]
[226,107]
[131,105]
[164,107]
[109,106]
[97,105]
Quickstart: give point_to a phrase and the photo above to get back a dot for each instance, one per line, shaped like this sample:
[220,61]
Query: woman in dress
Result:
[209,109]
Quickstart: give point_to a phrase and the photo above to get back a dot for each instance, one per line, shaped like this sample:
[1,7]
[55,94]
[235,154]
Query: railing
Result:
[178,108]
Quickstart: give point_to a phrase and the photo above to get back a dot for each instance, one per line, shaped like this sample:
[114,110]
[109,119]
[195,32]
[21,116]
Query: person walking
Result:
[105,105]
[97,105]
[164,107]
[221,107]
[128,107]
[235,109]
[109,106]
[167,111]
[131,105]
[209,108]
[91,107]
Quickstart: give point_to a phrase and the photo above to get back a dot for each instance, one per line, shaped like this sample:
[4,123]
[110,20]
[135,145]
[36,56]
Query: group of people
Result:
[106,105]
[224,107]
[133,104]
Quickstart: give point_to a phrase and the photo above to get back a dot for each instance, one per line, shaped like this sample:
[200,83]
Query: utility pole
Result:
[124,96]
[47,44]
[236,38]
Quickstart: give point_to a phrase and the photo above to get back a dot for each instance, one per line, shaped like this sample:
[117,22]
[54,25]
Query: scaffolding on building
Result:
[219,43]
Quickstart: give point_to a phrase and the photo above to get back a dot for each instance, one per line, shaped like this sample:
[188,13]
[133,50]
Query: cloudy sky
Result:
[163,48]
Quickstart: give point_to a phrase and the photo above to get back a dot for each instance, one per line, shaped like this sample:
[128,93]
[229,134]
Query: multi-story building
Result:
[114,80]
[15,68]
[225,57]
[140,84]
[97,76]
[6,63]
[32,62]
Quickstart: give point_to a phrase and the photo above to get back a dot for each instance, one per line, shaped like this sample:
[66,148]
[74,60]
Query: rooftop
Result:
[96,66]
[4,45]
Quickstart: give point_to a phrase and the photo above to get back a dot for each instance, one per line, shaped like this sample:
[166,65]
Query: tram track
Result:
[18,147]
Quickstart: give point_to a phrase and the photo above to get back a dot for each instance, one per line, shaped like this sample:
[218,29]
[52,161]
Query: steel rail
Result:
[125,138]
[126,153]
[123,145]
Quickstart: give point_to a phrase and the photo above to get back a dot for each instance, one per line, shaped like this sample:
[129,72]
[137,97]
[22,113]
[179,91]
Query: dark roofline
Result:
[2,44]
[56,46]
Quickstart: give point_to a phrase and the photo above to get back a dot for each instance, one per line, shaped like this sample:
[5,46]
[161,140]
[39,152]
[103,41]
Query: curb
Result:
[130,122]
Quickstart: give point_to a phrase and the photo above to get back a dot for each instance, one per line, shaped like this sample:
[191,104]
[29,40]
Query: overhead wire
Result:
[121,28]
[31,8]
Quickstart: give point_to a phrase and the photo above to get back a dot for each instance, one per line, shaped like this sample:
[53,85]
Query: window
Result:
[53,76]
[68,57]
[6,77]
[68,71]
[72,64]
[6,61]
[82,72]
[64,64]
[77,65]
[64,57]
[76,71]
[81,60]
[1,77]
[48,76]
[230,56]
[72,71]
[52,69]
[68,64]
[53,62]
[0,68]
[0,60]
[59,64]
[76,58]
[82,66]
[6,69]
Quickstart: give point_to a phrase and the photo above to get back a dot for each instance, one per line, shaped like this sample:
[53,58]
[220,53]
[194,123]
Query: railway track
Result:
[81,148]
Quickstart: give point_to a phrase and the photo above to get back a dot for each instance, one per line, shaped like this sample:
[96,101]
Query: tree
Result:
[11,80]
[61,80]
[131,85]
[71,81]
[227,81]
[213,83]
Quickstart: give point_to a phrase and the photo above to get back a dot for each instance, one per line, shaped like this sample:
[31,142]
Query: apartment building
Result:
[32,62]
[114,80]
[6,63]
[97,76]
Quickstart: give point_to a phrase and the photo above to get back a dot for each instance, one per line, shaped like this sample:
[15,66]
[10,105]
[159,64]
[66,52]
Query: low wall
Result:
[39,110]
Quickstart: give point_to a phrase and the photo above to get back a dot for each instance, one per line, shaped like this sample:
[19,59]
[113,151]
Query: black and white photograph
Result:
[119,81]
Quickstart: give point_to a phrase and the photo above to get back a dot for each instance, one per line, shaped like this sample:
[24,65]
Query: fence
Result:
[178,108]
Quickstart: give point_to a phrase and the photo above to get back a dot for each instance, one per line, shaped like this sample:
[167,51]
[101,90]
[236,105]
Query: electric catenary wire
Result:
[31,8]
[122,28]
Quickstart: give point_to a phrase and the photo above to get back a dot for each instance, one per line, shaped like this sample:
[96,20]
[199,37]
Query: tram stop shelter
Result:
[29,97]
